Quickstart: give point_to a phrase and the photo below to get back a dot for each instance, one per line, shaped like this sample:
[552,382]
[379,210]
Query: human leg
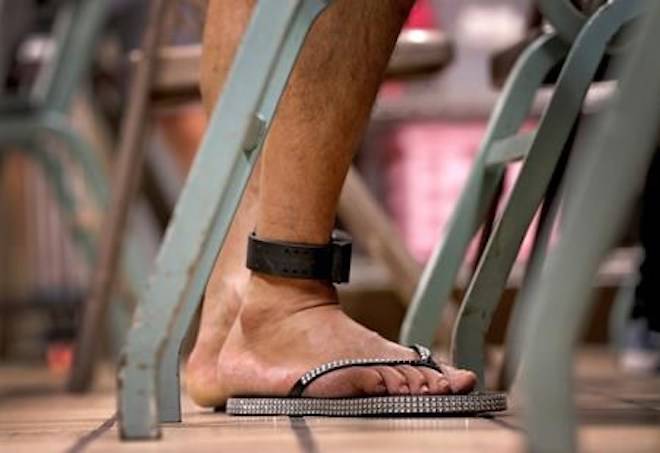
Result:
[285,326]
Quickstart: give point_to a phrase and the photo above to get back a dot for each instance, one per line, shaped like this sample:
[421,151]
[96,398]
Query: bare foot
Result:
[222,302]
[271,345]
[219,312]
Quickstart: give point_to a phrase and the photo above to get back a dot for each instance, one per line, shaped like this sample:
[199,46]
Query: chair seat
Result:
[417,52]
[420,52]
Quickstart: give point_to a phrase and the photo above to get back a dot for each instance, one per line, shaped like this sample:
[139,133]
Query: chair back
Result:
[568,16]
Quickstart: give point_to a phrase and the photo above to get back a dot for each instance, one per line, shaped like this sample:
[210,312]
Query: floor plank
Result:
[617,414]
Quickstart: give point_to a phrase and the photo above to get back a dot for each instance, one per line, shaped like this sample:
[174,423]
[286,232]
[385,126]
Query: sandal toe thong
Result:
[295,404]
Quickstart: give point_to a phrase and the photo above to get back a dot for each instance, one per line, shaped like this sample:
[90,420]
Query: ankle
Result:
[271,299]
[227,287]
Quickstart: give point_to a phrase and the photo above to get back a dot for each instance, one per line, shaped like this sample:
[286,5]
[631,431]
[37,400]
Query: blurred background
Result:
[427,125]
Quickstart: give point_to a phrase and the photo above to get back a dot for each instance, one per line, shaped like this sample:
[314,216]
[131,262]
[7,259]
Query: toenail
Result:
[424,389]
[404,389]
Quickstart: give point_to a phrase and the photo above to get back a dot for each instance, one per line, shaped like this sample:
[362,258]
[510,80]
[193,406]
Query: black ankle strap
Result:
[330,262]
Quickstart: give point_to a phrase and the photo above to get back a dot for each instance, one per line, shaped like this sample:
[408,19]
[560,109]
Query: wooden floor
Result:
[617,416]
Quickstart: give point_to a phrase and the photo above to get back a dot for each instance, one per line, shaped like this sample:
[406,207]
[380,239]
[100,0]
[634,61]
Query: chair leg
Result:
[53,124]
[547,218]
[372,227]
[205,209]
[603,192]
[622,308]
[168,373]
[437,281]
[54,173]
[490,280]
[126,177]
[20,130]
[80,152]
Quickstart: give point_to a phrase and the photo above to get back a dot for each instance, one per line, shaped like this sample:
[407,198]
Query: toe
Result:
[395,381]
[415,378]
[461,381]
[371,382]
[436,381]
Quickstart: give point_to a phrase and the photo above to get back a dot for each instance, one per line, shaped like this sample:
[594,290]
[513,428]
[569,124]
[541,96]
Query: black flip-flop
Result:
[295,404]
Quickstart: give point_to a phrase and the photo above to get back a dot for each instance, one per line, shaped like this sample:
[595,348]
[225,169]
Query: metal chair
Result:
[541,151]
[31,124]
[26,122]
[603,190]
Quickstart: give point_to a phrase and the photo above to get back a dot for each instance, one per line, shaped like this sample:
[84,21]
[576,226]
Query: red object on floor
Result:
[59,357]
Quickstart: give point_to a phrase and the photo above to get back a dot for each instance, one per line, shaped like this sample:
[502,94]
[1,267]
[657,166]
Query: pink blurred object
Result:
[421,16]
[427,167]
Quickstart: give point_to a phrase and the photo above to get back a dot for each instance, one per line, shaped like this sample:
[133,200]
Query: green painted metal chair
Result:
[33,123]
[581,42]
[26,124]
[149,377]
[604,187]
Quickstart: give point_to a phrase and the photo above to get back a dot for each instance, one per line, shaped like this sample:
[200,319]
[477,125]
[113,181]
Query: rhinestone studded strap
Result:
[425,360]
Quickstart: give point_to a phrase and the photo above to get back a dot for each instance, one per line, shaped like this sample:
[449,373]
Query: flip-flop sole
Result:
[375,406]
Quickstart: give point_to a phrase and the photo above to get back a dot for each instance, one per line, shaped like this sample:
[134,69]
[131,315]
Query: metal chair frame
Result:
[603,192]
[31,125]
[149,377]
[542,150]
